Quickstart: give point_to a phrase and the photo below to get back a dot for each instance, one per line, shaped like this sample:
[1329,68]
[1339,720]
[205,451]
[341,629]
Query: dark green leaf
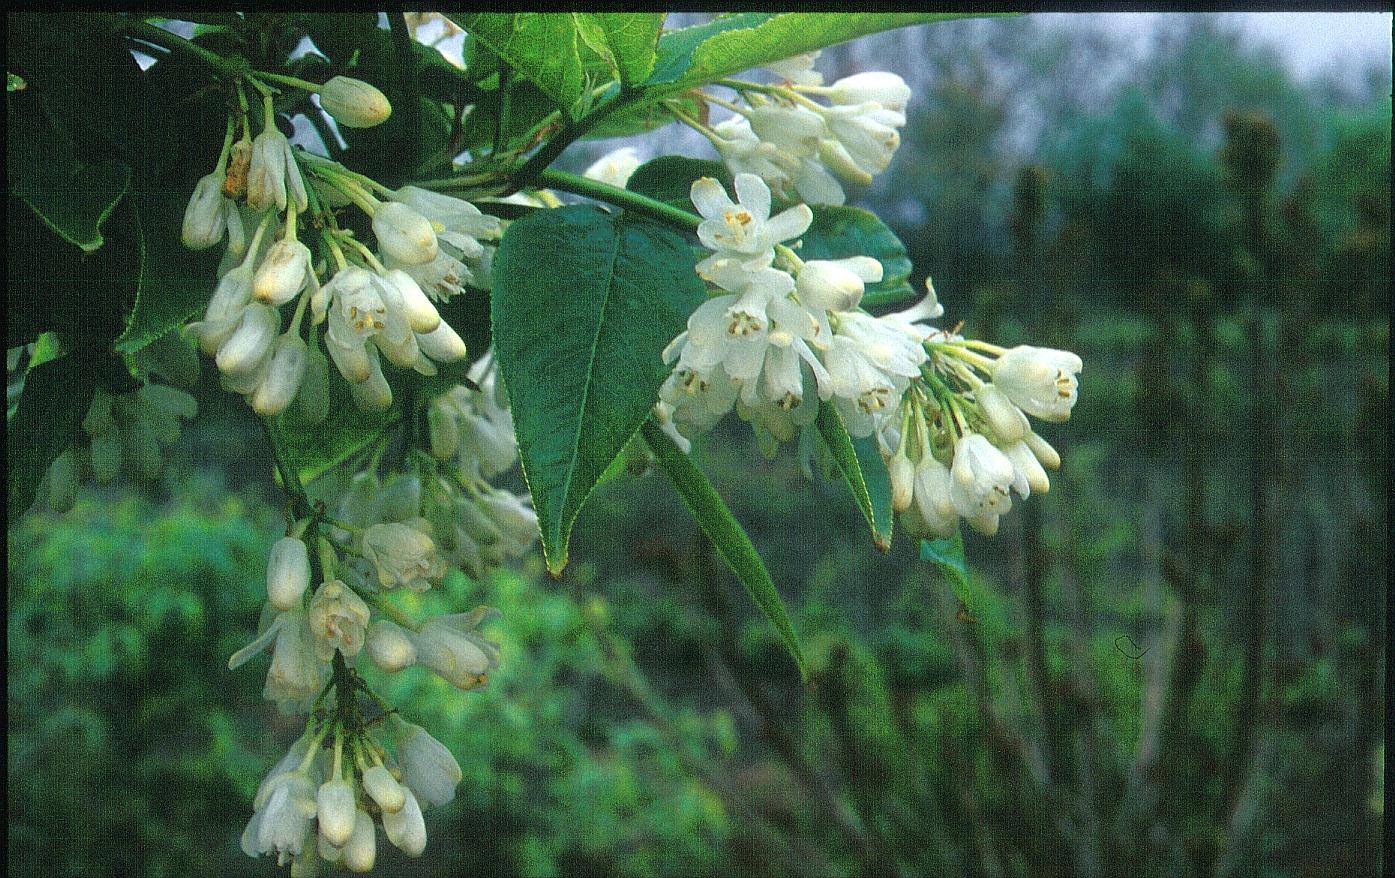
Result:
[862,467]
[541,46]
[840,232]
[695,55]
[726,534]
[630,39]
[50,411]
[73,199]
[670,179]
[174,283]
[584,303]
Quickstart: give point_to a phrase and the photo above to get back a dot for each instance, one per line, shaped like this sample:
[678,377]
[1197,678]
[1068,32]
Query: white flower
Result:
[336,810]
[389,646]
[249,345]
[337,619]
[1039,380]
[902,473]
[798,69]
[354,103]
[1005,419]
[514,519]
[442,344]
[450,647]
[1030,476]
[382,788]
[225,307]
[283,376]
[795,130]
[698,401]
[866,134]
[836,284]
[744,153]
[745,227]
[287,573]
[274,173]
[615,167]
[421,315]
[428,768]
[403,556]
[932,496]
[360,851]
[285,821]
[405,827]
[981,478]
[1043,451]
[296,675]
[459,227]
[284,272]
[205,217]
[404,236]
[884,88]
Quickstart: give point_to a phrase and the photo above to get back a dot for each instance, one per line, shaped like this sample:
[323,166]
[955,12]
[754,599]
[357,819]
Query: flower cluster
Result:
[364,305]
[803,148]
[960,445]
[403,534]
[776,341]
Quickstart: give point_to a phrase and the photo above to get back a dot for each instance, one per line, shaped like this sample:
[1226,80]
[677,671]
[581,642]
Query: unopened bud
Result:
[354,103]
[287,573]
[403,234]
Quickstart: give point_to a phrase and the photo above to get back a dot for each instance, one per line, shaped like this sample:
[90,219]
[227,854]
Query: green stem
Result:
[394,614]
[158,36]
[535,166]
[290,479]
[579,185]
[290,80]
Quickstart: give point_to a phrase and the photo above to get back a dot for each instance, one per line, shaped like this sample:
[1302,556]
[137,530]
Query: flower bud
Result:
[932,497]
[98,419]
[428,768]
[444,429]
[403,234]
[354,103]
[380,786]
[335,801]
[250,343]
[373,394]
[402,555]
[360,851]
[421,315]
[389,646]
[450,647]
[282,273]
[405,827]
[283,377]
[902,473]
[836,285]
[615,167]
[885,88]
[1030,475]
[1004,419]
[1043,451]
[205,220]
[442,344]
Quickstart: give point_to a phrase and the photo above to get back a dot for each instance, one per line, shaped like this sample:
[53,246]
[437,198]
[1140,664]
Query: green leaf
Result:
[670,179]
[695,55]
[840,232]
[628,39]
[726,535]
[73,199]
[174,283]
[584,303]
[51,408]
[862,467]
[542,46]
[947,556]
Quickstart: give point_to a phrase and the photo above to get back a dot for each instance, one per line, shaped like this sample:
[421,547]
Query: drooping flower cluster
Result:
[776,341]
[372,305]
[403,534]
[800,147]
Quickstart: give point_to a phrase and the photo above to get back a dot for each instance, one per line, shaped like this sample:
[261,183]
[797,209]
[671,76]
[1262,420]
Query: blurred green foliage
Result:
[1077,714]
